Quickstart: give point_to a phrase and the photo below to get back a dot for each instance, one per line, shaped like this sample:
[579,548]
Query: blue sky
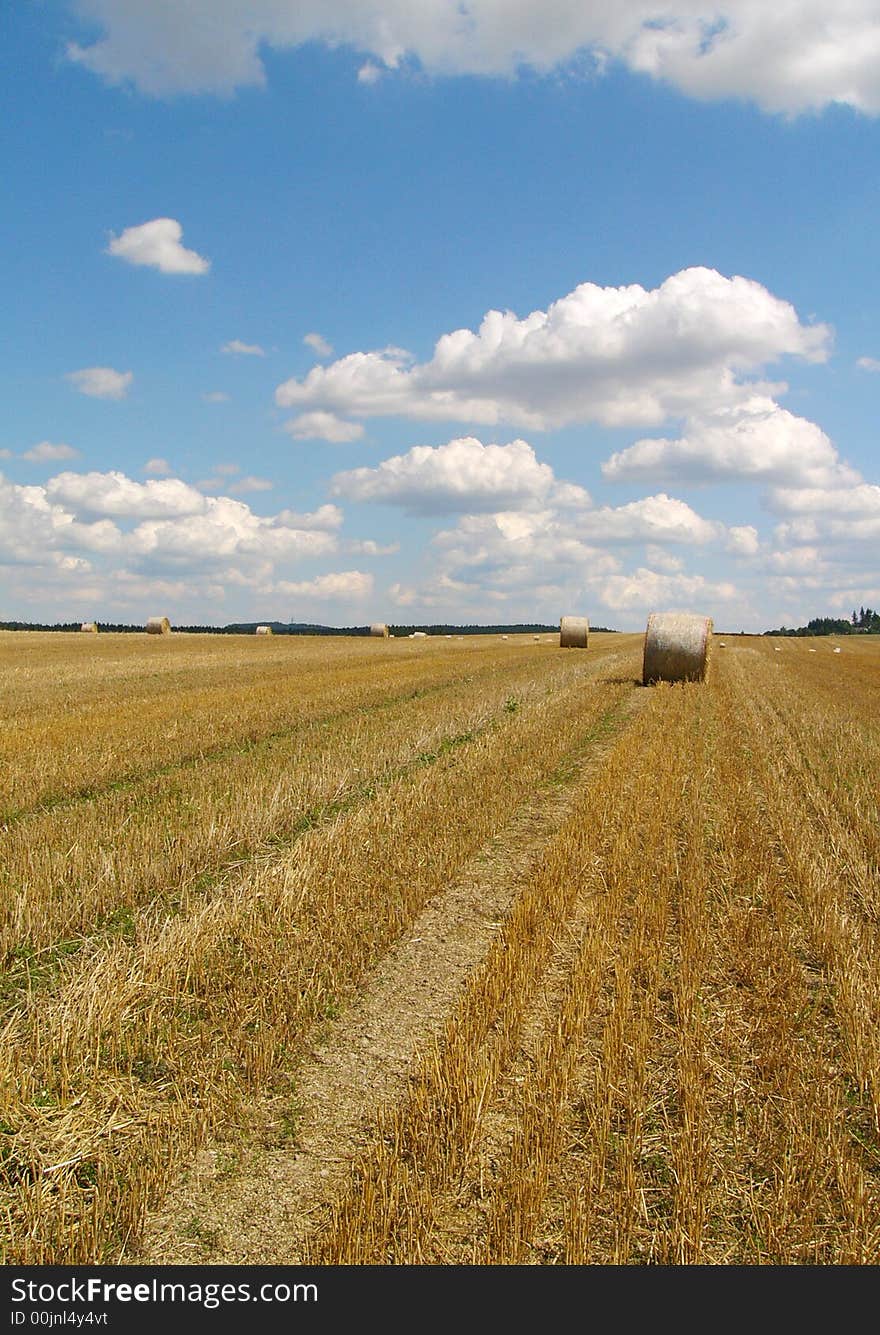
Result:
[478,313]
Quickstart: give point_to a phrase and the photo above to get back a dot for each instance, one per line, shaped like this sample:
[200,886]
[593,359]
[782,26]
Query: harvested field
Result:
[339,952]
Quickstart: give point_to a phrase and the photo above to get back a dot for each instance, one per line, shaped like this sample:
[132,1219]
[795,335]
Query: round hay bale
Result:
[836,649]
[574,632]
[419,635]
[158,626]
[676,647]
[263,630]
[90,626]
[380,630]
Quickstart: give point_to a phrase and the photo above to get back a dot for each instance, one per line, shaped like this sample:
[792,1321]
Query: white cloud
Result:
[46,450]
[158,467]
[742,540]
[318,344]
[656,519]
[861,499]
[101,382]
[250,483]
[618,356]
[754,441]
[216,396]
[345,584]
[462,476]
[791,56]
[157,245]
[115,494]
[367,547]
[226,530]
[239,349]
[327,517]
[648,590]
[369,73]
[324,426]
[869,363]
[5,454]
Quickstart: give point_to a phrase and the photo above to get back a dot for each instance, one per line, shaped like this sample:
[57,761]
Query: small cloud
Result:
[239,349]
[250,483]
[5,454]
[46,451]
[367,547]
[158,467]
[216,396]
[369,73]
[319,345]
[321,425]
[101,382]
[344,584]
[156,245]
[869,363]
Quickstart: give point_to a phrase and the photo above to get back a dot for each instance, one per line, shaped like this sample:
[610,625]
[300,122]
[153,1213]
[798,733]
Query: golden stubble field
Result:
[456,951]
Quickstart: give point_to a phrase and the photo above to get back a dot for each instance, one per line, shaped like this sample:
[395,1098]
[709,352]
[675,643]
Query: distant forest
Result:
[303,628]
[863,622]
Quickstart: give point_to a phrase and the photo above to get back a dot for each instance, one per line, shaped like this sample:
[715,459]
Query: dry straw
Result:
[574,632]
[379,629]
[676,647]
[263,630]
[158,626]
[90,626]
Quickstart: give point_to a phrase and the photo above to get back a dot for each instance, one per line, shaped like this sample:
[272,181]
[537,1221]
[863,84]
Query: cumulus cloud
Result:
[753,441]
[48,451]
[369,73]
[649,589]
[115,494]
[224,530]
[462,476]
[324,426]
[239,349]
[869,363]
[318,344]
[158,467]
[788,57]
[344,584]
[618,356]
[101,382]
[157,245]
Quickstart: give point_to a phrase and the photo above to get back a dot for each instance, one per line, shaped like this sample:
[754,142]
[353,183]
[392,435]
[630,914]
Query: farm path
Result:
[254,1197]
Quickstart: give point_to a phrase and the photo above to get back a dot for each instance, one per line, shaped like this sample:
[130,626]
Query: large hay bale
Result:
[574,632]
[676,647]
[90,626]
[263,630]
[379,629]
[158,626]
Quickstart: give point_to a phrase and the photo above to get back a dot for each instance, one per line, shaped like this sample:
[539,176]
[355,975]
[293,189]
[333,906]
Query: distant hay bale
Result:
[158,626]
[263,630]
[380,630]
[777,648]
[419,635]
[90,626]
[537,638]
[504,637]
[676,647]
[836,649]
[574,632]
